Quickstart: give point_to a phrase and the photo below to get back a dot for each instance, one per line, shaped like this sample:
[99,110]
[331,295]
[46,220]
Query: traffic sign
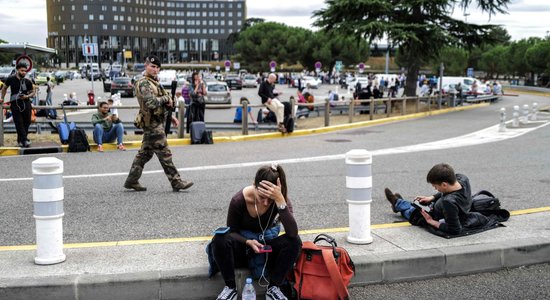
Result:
[89,49]
[361,67]
[236,65]
[318,65]
[26,60]
[227,64]
[470,72]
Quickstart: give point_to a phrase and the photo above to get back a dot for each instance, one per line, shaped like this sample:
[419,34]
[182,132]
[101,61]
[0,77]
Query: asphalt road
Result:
[97,208]
[530,282]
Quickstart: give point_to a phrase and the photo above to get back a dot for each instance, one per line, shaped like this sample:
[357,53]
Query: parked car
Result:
[122,85]
[41,78]
[312,81]
[61,75]
[74,75]
[250,80]
[166,77]
[5,72]
[181,78]
[234,81]
[139,67]
[218,92]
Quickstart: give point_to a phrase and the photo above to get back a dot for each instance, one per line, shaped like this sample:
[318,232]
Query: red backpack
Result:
[323,272]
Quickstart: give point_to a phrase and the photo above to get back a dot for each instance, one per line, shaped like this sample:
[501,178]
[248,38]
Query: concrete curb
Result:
[192,283]
[11,151]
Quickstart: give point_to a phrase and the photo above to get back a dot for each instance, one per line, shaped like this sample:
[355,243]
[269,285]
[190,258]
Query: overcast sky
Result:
[25,20]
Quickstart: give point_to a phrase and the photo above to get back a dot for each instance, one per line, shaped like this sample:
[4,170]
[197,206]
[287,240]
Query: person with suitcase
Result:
[153,101]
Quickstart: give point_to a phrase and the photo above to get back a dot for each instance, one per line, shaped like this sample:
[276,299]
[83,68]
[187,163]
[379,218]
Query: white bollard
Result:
[525,114]
[515,117]
[48,196]
[359,198]
[534,111]
[502,124]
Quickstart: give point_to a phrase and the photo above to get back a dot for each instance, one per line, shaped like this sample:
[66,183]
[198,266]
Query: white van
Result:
[166,77]
[449,82]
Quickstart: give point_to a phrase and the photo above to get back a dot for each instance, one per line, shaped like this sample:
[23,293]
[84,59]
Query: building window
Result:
[239,14]
[84,7]
[122,8]
[103,7]
[230,14]
[72,17]
[239,5]
[105,27]
[115,17]
[222,14]
[115,27]
[91,17]
[101,17]
[72,7]
[239,23]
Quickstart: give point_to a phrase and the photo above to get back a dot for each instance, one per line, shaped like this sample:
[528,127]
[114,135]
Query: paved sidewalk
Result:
[177,268]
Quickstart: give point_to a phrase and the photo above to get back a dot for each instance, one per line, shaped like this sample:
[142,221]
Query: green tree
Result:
[5,58]
[454,59]
[538,58]
[264,42]
[493,61]
[419,28]
[329,48]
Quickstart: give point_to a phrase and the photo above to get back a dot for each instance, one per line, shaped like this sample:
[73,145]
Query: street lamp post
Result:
[466,17]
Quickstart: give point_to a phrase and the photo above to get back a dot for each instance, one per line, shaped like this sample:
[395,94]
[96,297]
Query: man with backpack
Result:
[107,127]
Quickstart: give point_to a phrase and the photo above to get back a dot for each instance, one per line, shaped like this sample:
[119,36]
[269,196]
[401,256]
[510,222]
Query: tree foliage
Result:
[419,28]
[263,42]
[454,59]
[5,58]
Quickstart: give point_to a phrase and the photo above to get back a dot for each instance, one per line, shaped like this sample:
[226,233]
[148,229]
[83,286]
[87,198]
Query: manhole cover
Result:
[338,141]
[358,132]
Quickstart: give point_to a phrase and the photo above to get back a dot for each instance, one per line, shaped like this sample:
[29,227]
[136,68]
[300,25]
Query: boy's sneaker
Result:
[227,294]
[121,147]
[274,293]
[99,148]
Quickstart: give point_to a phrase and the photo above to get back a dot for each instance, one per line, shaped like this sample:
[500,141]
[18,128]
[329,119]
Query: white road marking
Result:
[487,135]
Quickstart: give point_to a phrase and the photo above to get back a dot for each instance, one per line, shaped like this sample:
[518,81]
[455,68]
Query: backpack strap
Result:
[335,274]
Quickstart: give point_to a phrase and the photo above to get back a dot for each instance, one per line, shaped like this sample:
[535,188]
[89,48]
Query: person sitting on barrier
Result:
[269,99]
[447,210]
[254,217]
[239,112]
[107,127]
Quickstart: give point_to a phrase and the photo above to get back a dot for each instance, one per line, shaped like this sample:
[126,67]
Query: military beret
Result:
[153,59]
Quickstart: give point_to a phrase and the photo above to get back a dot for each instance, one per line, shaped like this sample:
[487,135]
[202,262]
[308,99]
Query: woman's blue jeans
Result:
[101,136]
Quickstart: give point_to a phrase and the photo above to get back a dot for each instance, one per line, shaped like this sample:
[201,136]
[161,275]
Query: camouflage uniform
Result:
[153,99]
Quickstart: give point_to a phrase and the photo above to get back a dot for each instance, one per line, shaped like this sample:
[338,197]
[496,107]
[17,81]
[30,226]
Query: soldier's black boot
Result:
[134,186]
[181,185]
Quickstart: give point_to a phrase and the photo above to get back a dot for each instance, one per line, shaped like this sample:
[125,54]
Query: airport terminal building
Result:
[174,30]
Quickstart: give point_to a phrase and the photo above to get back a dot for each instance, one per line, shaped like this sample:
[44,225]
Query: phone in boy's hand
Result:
[419,205]
[266,249]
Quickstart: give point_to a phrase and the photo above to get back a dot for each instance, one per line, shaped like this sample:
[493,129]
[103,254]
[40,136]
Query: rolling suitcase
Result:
[197,130]
[64,128]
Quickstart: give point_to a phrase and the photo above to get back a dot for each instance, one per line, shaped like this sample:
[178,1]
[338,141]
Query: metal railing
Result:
[351,107]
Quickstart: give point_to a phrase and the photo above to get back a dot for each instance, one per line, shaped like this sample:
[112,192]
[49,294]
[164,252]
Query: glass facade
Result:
[174,30]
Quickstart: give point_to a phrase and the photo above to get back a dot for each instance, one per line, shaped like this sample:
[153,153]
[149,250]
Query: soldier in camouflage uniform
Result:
[153,101]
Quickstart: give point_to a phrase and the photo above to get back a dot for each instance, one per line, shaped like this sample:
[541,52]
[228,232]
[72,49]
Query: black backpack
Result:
[484,200]
[485,203]
[78,141]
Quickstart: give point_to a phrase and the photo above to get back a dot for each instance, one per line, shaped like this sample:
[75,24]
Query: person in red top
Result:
[256,209]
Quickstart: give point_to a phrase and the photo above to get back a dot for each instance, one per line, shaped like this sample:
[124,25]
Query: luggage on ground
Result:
[197,130]
[323,272]
[64,128]
[78,141]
